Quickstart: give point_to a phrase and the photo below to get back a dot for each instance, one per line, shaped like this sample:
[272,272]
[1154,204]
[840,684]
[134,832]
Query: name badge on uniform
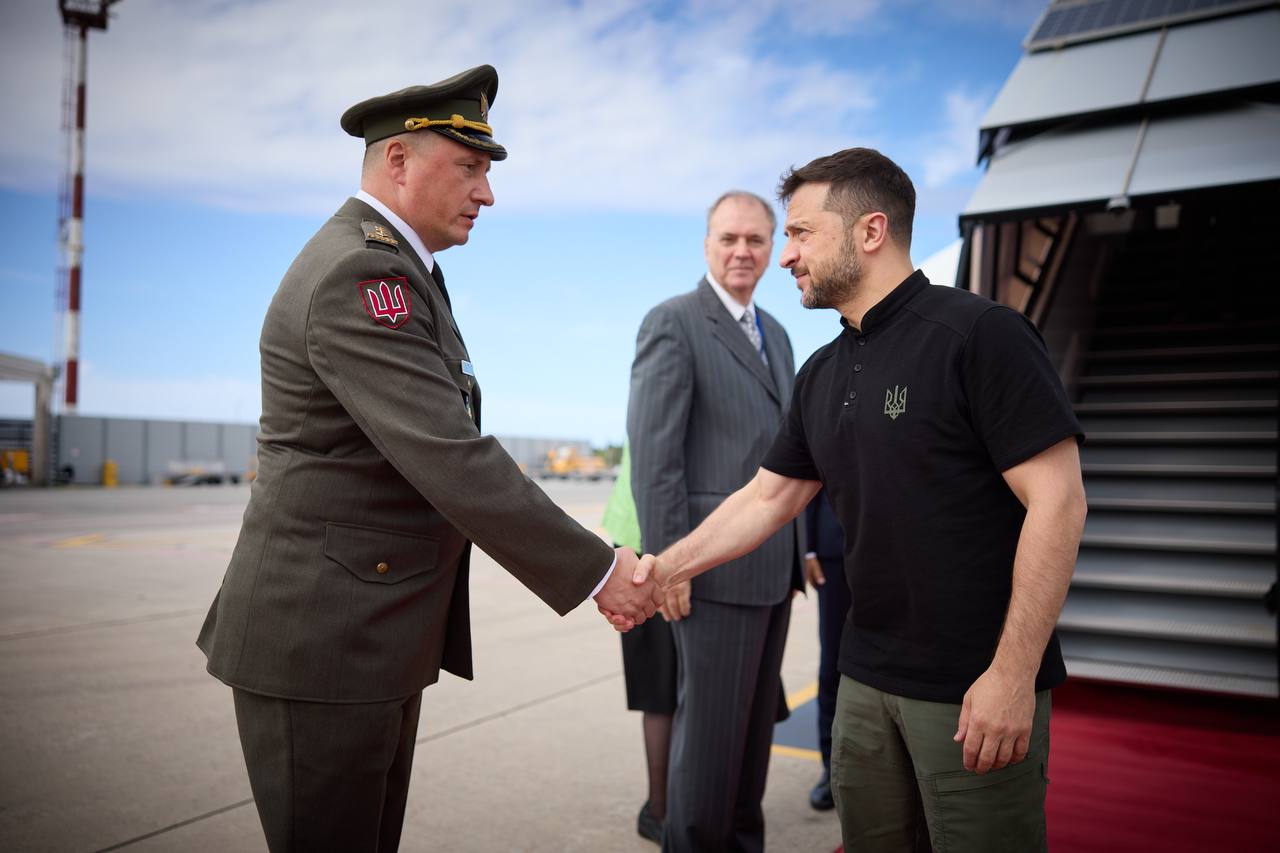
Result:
[463,374]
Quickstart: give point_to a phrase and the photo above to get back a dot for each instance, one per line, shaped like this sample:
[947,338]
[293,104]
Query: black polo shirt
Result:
[909,423]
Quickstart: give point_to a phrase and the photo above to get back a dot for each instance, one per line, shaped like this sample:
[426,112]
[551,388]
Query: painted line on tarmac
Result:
[506,712]
[80,541]
[797,752]
[804,694]
[93,626]
[488,718]
[177,825]
[795,699]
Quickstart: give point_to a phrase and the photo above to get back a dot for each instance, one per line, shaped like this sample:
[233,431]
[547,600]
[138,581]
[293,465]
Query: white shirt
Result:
[416,242]
[400,225]
[736,308]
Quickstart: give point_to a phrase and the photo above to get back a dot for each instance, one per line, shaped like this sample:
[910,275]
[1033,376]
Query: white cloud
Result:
[955,148]
[603,106]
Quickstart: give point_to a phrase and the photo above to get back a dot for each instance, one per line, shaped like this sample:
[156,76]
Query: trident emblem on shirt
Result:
[895,402]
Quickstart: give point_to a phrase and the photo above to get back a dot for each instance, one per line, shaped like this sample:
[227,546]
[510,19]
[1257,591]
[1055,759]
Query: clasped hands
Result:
[636,590]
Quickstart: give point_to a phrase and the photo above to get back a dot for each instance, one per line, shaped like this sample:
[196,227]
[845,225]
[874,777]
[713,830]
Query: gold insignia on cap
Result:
[484,107]
[455,121]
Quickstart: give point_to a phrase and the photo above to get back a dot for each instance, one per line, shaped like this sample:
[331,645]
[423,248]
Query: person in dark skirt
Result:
[651,673]
[648,664]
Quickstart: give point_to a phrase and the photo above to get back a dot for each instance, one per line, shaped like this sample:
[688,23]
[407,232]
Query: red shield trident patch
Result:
[387,300]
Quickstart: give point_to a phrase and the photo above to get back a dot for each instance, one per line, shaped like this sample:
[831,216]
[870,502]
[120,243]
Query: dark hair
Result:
[746,196]
[862,181]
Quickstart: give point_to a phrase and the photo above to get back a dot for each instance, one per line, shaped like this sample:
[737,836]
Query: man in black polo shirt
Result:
[948,449]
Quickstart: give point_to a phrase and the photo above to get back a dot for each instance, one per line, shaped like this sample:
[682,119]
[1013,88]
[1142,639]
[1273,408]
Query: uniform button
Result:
[862,342]
[853,395]
[846,405]
[857,368]
[382,568]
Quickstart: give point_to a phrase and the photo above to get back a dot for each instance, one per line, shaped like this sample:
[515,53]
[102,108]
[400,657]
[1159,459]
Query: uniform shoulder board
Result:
[375,234]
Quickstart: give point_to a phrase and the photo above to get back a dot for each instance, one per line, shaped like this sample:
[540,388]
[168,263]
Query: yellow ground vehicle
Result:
[568,464]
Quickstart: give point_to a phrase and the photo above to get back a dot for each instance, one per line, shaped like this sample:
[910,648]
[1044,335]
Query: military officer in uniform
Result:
[347,590]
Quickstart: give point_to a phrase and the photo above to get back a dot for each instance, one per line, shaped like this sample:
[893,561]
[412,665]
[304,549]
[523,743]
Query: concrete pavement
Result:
[113,737]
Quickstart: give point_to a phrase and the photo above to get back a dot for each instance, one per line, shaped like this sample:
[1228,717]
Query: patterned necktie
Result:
[748,323]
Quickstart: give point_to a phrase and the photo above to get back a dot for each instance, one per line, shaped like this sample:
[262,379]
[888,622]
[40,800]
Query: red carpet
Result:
[1134,770]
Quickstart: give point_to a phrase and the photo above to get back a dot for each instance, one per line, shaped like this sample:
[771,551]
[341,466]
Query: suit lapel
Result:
[726,331]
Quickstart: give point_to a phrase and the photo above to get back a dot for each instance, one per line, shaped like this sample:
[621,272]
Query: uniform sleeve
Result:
[1016,400]
[657,421]
[396,386]
[789,455]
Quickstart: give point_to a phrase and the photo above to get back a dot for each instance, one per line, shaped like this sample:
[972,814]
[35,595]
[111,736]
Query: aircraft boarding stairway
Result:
[1177,394]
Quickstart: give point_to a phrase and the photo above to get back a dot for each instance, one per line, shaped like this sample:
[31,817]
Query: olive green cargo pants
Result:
[899,781]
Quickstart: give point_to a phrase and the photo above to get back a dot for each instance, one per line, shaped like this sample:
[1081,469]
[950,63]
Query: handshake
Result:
[637,588]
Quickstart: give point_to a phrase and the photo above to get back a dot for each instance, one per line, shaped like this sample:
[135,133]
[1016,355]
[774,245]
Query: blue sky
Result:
[214,152]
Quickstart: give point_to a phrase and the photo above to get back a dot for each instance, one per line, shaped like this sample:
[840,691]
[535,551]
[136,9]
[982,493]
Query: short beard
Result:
[832,286]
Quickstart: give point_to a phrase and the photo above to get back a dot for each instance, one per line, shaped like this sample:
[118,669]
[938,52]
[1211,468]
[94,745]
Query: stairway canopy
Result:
[1185,97]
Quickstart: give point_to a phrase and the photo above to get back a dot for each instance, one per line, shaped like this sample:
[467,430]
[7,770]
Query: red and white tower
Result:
[78,18]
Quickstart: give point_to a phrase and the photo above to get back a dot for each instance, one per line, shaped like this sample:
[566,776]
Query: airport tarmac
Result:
[115,738]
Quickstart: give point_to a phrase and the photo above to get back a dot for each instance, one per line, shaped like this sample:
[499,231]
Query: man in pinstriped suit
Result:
[710,384]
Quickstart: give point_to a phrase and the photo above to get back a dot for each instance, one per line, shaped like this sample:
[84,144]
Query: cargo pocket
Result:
[999,810]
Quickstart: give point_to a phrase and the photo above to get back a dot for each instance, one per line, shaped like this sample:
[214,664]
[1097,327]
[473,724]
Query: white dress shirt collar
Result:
[400,225]
[736,308]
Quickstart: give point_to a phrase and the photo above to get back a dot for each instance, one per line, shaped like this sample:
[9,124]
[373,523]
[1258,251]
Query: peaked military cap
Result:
[457,108]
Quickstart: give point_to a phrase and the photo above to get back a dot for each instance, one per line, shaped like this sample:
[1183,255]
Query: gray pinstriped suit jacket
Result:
[704,409]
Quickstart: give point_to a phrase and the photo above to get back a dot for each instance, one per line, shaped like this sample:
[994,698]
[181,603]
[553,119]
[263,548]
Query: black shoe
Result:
[648,826]
[820,797]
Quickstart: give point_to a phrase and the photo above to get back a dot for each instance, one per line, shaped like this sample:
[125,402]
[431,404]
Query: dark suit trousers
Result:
[328,777]
[833,610]
[730,662]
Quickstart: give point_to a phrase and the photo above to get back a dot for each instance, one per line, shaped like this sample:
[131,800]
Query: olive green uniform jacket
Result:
[349,579]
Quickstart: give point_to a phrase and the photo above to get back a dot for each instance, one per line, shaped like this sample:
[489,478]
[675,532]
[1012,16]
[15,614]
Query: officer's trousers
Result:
[328,777]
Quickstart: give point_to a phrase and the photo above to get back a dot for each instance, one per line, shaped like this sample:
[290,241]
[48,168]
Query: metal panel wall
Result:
[164,445]
[126,445]
[239,447]
[81,443]
[147,451]
[201,443]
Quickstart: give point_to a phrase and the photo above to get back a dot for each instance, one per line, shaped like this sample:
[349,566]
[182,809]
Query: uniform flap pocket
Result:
[462,372]
[959,781]
[375,555]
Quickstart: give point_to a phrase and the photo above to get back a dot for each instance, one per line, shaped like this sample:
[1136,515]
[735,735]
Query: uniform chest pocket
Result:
[381,556]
